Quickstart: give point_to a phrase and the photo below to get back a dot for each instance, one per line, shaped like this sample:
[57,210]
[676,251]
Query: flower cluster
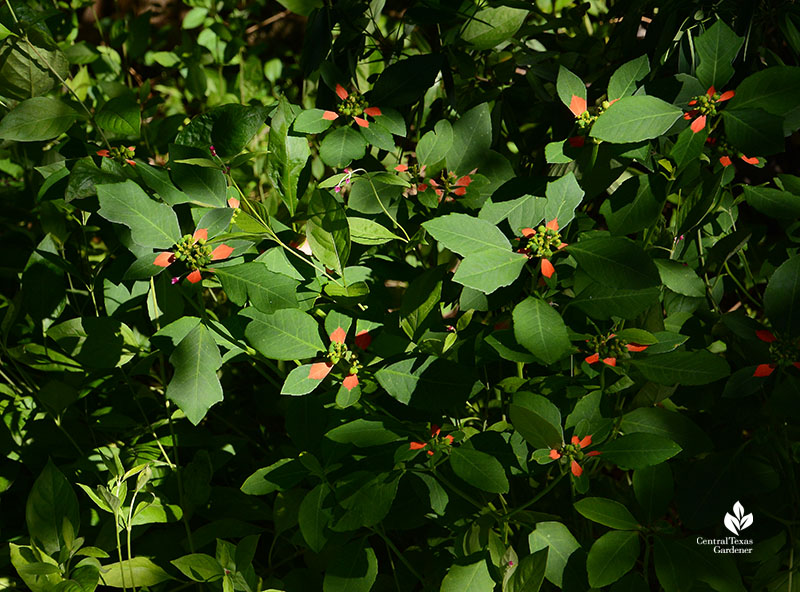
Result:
[436,440]
[574,453]
[353,105]
[783,352]
[448,182]
[705,106]
[340,354]
[193,251]
[120,154]
[610,347]
[542,242]
[584,118]
[726,150]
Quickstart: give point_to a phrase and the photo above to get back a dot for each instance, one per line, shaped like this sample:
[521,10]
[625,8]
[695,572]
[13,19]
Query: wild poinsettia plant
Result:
[522,316]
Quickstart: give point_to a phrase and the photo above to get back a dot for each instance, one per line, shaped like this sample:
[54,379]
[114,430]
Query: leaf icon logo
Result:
[739,521]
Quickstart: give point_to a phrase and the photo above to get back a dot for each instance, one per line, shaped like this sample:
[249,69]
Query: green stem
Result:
[119,550]
[128,528]
[385,211]
[391,545]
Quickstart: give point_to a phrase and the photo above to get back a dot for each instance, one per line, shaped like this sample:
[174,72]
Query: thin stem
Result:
[385,211]
[391,545]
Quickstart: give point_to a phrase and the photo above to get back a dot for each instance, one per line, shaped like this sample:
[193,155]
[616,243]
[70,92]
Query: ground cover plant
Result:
[449,296]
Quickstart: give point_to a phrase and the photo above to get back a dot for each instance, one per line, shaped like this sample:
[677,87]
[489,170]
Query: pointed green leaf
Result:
[623,80]
[342,146]
[354,568]
[612,556]
[328,231]
[120,116]
[468,578]
[152,224]
[288,155]
[314,516]
[569,85]
[561,544]
[716,49]
[782,297]
[267,291]
[472,137]
[286,334]
[616,262]
[563,196]
[435,144]
[479,469]
[52,510]
[37,119]
[194,386]
[639,450]
[541,330]
[139,571]
[633,119]
[684,367]
[606,512]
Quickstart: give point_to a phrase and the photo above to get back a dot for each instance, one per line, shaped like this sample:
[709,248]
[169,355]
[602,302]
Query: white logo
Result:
[739,521]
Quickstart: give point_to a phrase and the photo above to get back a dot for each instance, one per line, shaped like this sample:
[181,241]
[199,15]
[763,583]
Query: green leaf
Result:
[606,512]
[680,278]
[775,203]
[529,574]
[37,119]
[491,26]
[27,71]
[537,420]
[405,81]
[288,155]
[431,383]
[362,433]
[298,383]
[139,571]
[561,544]
[616,262]
[195,387]
[563,196]
[680,564]
[310,121]
[286,334]
[541,330]
[489,263]
[636,204]
[633,119]
[420,301]
[623,80]
[653,487]
[524,212]
[468,578]
[683,367]
[371,502]
[52,512]
[479,469]
[569,85]
[754,131]
[84,178]
[716,49]
[434,145]
[611,557]
[472,137]
[688,147]
[267,291]
[199,567]
[279,476]
[354,568]
[639,450]
[120,116]
[342,146]
[314,516]
[364,231]
[204,186]
[157,179]
[774,90]
[782,297]
[228,128]
[39,571]
[152,224]
[328,231]
[489,271]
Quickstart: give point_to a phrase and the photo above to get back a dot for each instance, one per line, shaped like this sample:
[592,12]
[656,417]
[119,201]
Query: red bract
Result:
[192,250]
[353,106]
[577,105]
[119,153]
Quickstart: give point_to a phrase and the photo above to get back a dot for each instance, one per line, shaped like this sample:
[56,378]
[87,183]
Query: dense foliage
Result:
[399,296]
